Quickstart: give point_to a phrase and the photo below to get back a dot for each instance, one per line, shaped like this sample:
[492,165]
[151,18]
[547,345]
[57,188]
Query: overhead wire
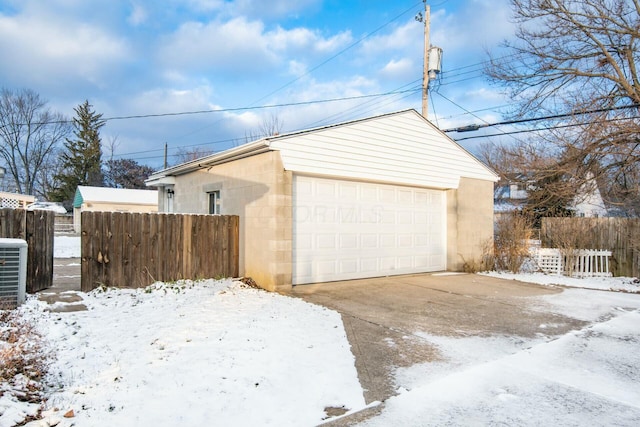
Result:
[544,128]
[360,40]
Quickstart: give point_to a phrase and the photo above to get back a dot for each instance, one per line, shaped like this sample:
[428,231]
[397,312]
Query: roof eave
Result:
[242,151]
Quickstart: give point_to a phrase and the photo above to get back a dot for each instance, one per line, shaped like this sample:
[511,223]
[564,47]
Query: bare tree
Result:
[572,53]
[46,175]
[29,134]
[184,155]
[580,57]
[535,167]
[271,126]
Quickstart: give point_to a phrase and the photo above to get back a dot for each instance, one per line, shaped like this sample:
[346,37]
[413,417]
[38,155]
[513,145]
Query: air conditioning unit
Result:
[13,272]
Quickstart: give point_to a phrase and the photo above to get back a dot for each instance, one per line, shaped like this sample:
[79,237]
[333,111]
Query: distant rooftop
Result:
[114,195]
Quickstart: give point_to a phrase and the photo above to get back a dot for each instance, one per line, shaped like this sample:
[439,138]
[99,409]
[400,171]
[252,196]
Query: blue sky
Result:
[146,57]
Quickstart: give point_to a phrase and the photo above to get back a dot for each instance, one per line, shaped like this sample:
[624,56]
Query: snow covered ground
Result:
[66,247]
[624,284]
[203,353]
[586,377]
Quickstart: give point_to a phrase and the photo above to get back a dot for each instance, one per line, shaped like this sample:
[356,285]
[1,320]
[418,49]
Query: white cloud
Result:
[334,43]
[203,5]
[297,68]
[401,69]
[306,40]
[243,47]
[170,100]
[407,37]
[237,45]
[46,50]
[273,8]
[353,86]
[482,23]
[138,15]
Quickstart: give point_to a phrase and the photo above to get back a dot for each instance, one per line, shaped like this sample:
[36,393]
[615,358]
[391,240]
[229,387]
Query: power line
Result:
[474,127]
[544,128]
[331,58]
[227,110]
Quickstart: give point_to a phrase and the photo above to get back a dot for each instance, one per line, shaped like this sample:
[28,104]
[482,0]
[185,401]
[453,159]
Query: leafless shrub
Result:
[485,263]
[511,242]
[568,235]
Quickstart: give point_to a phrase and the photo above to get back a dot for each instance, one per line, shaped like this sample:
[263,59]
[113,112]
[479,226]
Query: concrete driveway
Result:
[382,316]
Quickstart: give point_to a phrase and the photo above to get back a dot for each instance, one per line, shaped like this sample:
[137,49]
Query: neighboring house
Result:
[385,195]
[112,200]
[15,200]
[587,202]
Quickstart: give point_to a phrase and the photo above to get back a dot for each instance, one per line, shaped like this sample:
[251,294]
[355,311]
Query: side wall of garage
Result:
[258,190]
[469,222]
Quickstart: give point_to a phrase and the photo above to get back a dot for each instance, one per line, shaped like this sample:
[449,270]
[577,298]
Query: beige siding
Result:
[259,191]
[469,222]
[401,148]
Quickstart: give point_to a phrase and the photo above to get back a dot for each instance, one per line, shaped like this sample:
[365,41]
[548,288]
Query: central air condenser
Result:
[13,272]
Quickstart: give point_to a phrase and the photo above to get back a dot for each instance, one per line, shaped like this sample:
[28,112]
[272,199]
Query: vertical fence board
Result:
[39,229]
[234,260]
[196,245]
[145,249]
[172,243]
[157,222]
[88,269]
[115,264]
[187,249]
[217,242]
[106,248]
[136,259]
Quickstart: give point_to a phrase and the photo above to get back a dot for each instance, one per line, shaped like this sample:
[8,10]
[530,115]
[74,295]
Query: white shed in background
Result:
[89,198]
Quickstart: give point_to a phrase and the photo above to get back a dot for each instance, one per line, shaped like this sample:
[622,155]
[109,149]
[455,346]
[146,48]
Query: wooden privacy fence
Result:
[36,227]
[134,250]
[621,236]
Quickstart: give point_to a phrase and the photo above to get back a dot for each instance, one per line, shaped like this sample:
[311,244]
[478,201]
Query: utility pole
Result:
[425,65]
[166,146]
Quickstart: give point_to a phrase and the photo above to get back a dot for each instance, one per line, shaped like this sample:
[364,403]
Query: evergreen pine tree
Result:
[81,160]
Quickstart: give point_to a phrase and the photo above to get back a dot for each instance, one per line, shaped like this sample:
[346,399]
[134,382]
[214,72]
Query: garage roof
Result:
[401,147]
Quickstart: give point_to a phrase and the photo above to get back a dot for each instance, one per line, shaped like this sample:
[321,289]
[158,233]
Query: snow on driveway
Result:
[204,353]
[586,377]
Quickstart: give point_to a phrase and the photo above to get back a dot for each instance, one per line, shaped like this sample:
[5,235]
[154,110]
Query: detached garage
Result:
[381,196]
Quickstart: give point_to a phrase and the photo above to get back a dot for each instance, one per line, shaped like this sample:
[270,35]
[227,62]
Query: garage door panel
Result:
[405,197]
[326,241]
[387,241]
[348,191]
[405,262]
[303,242]
[346,230]
[368,241]
[348,241]
[405,241]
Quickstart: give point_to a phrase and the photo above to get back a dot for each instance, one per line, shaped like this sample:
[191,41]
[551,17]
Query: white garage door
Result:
[347,230]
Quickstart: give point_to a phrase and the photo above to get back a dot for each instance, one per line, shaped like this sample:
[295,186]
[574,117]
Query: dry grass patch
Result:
[23,359]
